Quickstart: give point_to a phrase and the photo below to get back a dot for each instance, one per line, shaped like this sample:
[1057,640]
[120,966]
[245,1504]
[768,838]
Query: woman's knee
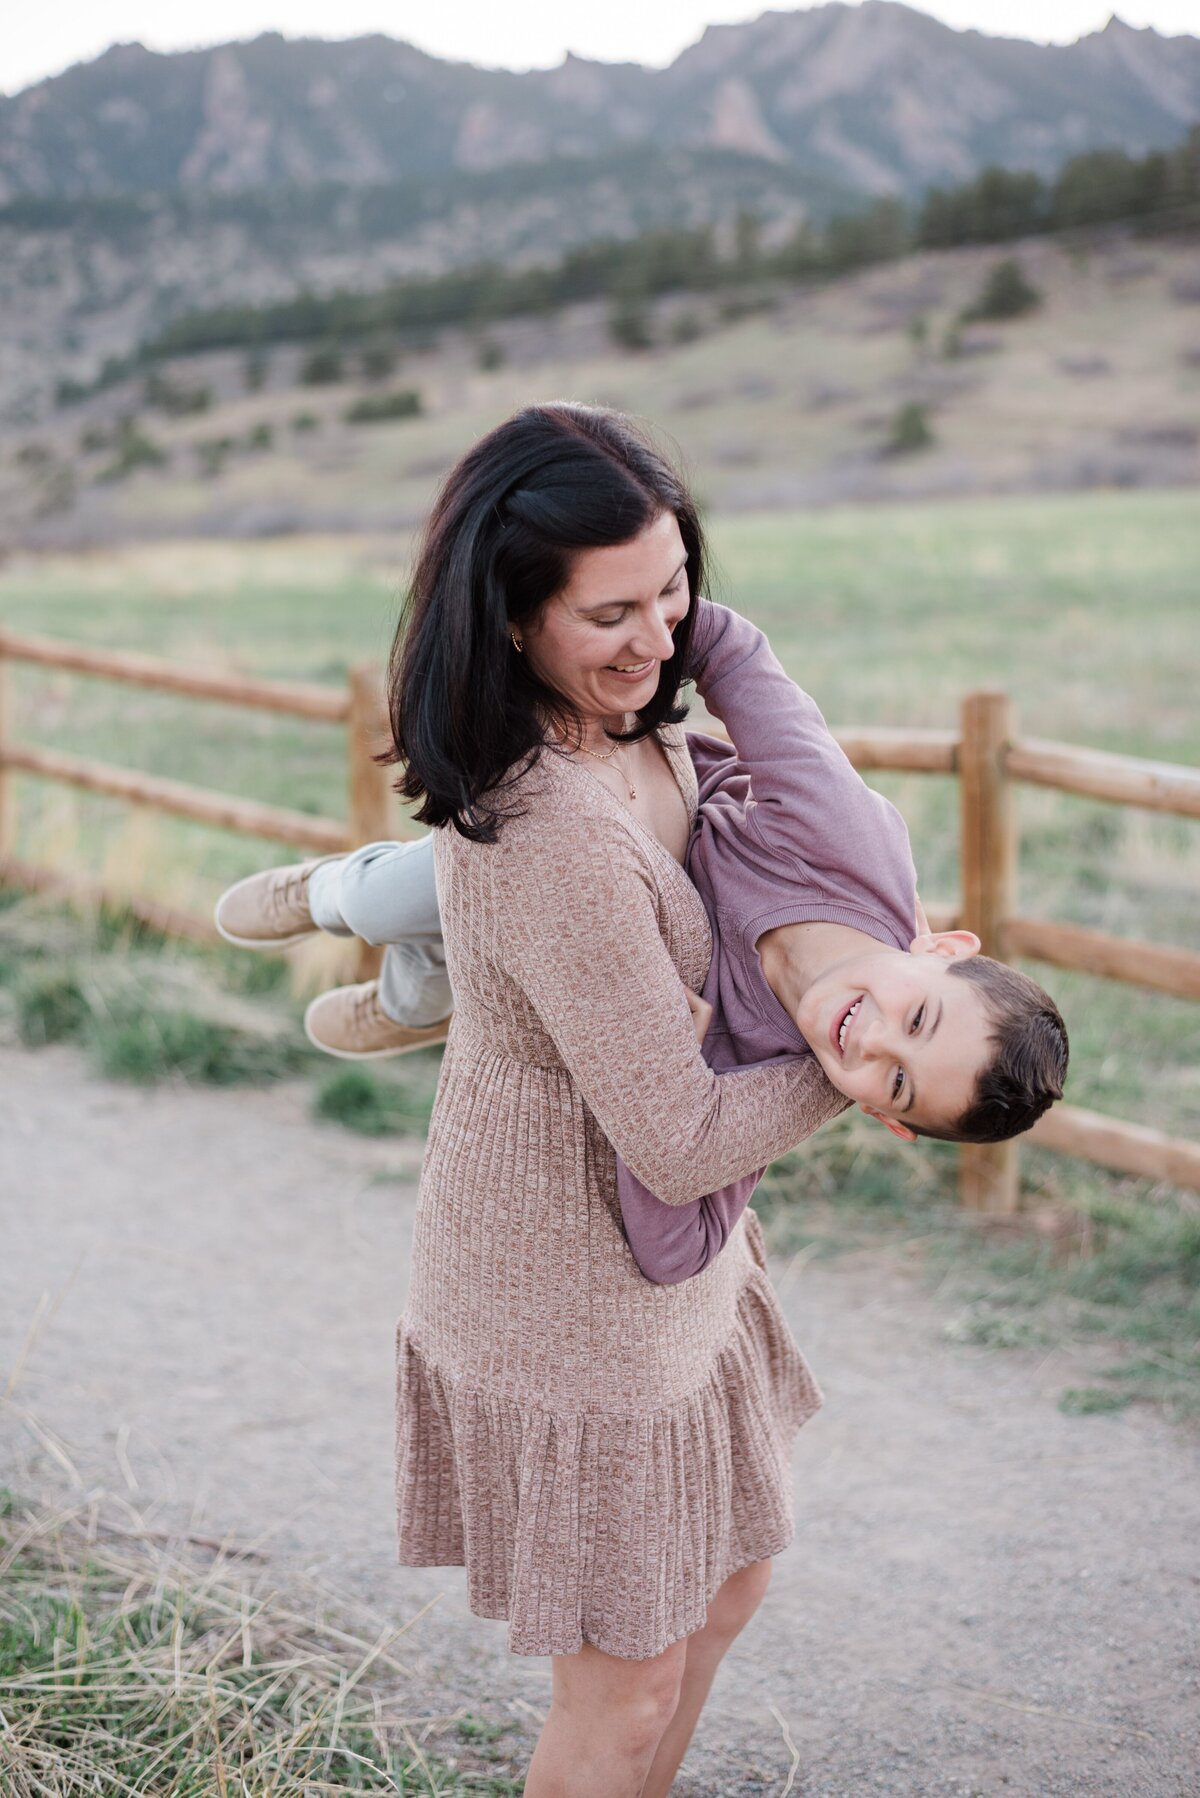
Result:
[634,1699]
[735,1602]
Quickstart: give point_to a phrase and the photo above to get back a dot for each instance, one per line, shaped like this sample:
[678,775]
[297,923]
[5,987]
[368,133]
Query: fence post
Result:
[370,786]
[989,1174]
[8,798]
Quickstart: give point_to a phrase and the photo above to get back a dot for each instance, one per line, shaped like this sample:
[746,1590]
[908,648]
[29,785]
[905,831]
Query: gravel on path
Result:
[984,1596]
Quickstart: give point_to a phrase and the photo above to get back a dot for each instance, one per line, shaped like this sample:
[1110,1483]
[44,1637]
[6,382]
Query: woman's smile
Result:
[603,641]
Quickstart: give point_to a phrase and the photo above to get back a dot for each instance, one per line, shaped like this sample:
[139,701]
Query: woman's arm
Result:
[576,912]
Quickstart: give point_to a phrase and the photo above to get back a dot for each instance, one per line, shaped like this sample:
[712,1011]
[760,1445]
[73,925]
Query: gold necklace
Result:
[608,756]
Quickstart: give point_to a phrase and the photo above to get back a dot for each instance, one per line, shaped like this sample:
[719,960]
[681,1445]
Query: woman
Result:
[608,1458]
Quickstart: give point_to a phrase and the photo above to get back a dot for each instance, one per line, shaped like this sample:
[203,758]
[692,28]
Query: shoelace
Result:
[366,1009]
[289,892]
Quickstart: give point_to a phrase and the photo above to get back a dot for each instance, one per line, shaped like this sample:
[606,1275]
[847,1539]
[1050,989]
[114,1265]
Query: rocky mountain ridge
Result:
[878,98]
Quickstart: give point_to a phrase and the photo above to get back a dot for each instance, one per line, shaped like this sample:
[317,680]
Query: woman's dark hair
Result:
[468,714]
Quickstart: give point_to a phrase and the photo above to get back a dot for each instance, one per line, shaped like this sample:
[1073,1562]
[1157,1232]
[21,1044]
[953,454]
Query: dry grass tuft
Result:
[133,1663]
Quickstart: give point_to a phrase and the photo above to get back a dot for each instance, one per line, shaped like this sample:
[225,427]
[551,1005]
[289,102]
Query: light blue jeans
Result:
[386,893]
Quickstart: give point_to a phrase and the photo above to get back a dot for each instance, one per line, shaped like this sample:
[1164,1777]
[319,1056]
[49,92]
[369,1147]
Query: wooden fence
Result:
[370,812]
[985,753]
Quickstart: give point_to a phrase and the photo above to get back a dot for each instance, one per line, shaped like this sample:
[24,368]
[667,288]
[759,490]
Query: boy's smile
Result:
[889,1028]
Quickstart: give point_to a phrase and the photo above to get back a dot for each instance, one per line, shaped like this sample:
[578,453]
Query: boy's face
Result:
[895,1033]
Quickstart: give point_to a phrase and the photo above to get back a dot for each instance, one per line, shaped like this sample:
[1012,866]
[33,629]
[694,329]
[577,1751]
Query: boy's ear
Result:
[954,945]
[896,1128]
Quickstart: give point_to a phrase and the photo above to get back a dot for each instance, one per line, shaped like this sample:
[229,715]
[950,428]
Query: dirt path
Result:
[983,1597]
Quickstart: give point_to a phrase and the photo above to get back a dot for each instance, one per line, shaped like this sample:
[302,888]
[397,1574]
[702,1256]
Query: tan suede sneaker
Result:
[268,910]
[349,1021]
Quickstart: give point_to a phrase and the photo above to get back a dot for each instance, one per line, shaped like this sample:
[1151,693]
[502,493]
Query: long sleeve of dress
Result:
[578,930]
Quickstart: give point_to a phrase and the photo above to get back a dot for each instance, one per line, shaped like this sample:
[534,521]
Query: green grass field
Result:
[1083,608]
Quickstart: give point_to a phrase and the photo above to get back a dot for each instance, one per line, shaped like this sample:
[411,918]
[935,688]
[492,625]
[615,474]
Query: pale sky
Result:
[46,38]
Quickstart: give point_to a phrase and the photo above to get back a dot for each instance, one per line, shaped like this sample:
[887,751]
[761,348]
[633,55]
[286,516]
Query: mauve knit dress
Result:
[598,1451]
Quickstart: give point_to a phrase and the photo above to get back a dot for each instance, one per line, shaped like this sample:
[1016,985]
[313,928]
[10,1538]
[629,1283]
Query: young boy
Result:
[808,880]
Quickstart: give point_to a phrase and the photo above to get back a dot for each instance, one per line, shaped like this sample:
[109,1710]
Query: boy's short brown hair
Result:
[1027,1072]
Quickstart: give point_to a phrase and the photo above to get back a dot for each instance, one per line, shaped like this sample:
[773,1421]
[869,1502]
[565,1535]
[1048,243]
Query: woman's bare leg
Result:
[606,1719]
[731,1609]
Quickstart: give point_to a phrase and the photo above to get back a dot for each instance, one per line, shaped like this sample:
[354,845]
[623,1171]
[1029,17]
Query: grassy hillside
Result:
[798,404]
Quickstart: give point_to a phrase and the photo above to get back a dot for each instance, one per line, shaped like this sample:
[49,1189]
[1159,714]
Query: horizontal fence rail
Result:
[1129,1148]
[221,810]
[1094,774]
[985,754]
[1174,971]
[300,699]
[906,751]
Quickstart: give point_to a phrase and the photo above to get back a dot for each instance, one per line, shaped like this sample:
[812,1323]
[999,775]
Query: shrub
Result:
[378,361]
[175,401]
[629,323]
[686,327]
[322,366]
[146,1045]
[380,408]
[490,355]
[70,393]
[305,421]
[910,430]
[134,450]
[1090,1401]
[260,438]
[212,453]
[355,1099]
[94,438]
[252,975]
[255,370]
[1005,293]
[51,1008]
[57,492]
[358,1100]
[738,306]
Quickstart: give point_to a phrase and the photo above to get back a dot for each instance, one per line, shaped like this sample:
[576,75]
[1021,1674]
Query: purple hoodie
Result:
[786,833]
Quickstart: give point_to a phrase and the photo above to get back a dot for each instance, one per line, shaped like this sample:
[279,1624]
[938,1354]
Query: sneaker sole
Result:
[364,1054]
[263,942]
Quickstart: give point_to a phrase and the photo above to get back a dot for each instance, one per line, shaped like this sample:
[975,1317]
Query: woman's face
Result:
[602,641]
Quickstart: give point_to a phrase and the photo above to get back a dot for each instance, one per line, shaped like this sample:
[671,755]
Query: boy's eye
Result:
[916,1023]
[897,1084]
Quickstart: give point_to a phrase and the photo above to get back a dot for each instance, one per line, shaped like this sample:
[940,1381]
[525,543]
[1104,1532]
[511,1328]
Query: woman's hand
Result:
[701,1012]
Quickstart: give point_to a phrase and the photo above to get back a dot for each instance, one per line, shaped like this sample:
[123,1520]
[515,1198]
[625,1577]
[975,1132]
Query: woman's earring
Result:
[517,643]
